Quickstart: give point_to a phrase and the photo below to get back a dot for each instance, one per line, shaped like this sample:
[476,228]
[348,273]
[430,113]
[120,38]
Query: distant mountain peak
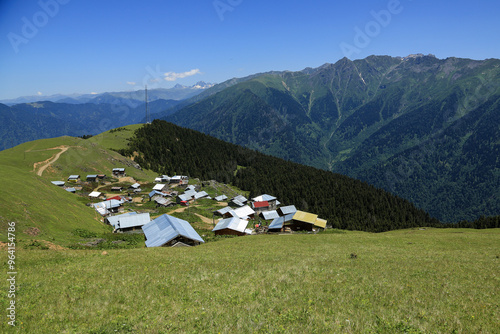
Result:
[418,55]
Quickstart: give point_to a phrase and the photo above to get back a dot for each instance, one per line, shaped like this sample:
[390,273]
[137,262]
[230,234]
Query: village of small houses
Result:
[149,207]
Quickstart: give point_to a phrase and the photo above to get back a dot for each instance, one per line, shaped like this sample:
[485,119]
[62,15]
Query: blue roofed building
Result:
[168,231]
[232,226]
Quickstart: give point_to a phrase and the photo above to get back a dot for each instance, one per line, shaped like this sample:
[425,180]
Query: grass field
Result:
[409,281]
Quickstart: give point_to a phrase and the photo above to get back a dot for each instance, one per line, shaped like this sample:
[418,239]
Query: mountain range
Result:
[424,128]
[132,98]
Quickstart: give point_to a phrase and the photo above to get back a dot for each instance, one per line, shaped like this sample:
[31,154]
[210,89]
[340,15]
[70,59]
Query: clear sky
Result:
[77,46]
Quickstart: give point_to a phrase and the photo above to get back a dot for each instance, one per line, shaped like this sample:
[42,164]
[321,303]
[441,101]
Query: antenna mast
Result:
[147,112]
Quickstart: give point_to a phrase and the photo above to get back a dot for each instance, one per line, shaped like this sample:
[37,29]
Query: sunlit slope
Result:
[41,210]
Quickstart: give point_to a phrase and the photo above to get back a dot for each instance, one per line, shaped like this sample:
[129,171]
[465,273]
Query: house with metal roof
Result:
[113,220]
[200,194]
[168,231]
[132,223]
[92,178]
[273,201]
[95,194]
[74,178]
[119,172]
[278,224]
[260,206]
[58,183]
[245,212]
[286,210]
[135,186]
[221,198]
[305,221]
[269,215]
[232,226]
[71,190]
[159,186]
[162,201]
[181,179]
[154,193]
[116,188]
[223,211]
[109,206]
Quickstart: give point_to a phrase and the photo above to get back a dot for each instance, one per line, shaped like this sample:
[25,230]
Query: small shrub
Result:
[82,233]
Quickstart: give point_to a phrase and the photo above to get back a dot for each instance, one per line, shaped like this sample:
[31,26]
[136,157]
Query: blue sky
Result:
[75,46]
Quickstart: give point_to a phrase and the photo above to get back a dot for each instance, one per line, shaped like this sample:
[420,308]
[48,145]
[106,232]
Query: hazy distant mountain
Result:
[131,98]
[30,121]
[422,127]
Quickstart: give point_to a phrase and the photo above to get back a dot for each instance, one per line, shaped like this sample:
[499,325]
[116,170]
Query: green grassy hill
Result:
[409,281]
[43,211]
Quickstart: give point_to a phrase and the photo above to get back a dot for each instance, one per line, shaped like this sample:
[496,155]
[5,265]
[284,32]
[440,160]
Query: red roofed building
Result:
[260,206]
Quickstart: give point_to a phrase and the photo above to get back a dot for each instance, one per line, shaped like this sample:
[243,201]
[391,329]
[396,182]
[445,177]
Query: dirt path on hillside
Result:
[50,160]
[203,218]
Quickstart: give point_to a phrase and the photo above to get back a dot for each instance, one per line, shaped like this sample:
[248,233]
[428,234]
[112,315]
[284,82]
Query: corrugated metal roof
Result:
[190,193]
[236,202]
[264,197]
[190,187]
[242,212]
[277,223]
[201,194]
[113,220]
[109,204]
[184,197]
[155,192]
[95,194]
[118,169]
[305,217]
[320,223]
[263,204]
[93,176]
[133,220]
[241,198]
[286,210]
[159,187]
[221,198]
[224,210]
[163,201]
[71,190]
[58,183]
[165,228]
[135,185]
[270,214]
[234,223]
[73,177]
[158,179]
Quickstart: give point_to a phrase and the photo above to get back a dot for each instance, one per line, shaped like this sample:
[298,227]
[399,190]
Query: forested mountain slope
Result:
[345,202]
[369,119]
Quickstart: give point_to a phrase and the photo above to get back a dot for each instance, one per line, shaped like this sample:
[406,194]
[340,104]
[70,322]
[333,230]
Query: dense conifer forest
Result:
[345,202]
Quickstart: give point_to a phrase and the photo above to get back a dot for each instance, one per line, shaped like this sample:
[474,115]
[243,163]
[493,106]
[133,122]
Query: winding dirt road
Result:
[49,161]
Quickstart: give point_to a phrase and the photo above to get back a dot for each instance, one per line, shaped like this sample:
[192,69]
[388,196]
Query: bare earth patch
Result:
[33,231]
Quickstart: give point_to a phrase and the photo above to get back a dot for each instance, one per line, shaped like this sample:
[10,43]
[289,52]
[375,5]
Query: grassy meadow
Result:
[408,281]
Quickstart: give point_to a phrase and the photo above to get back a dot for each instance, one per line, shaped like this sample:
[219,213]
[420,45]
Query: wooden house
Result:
[232,226]
[305,221]
[169,231]
[119,172]
[74,178]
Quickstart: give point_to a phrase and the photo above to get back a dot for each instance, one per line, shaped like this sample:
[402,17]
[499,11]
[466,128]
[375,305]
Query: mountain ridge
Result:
[352,115]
